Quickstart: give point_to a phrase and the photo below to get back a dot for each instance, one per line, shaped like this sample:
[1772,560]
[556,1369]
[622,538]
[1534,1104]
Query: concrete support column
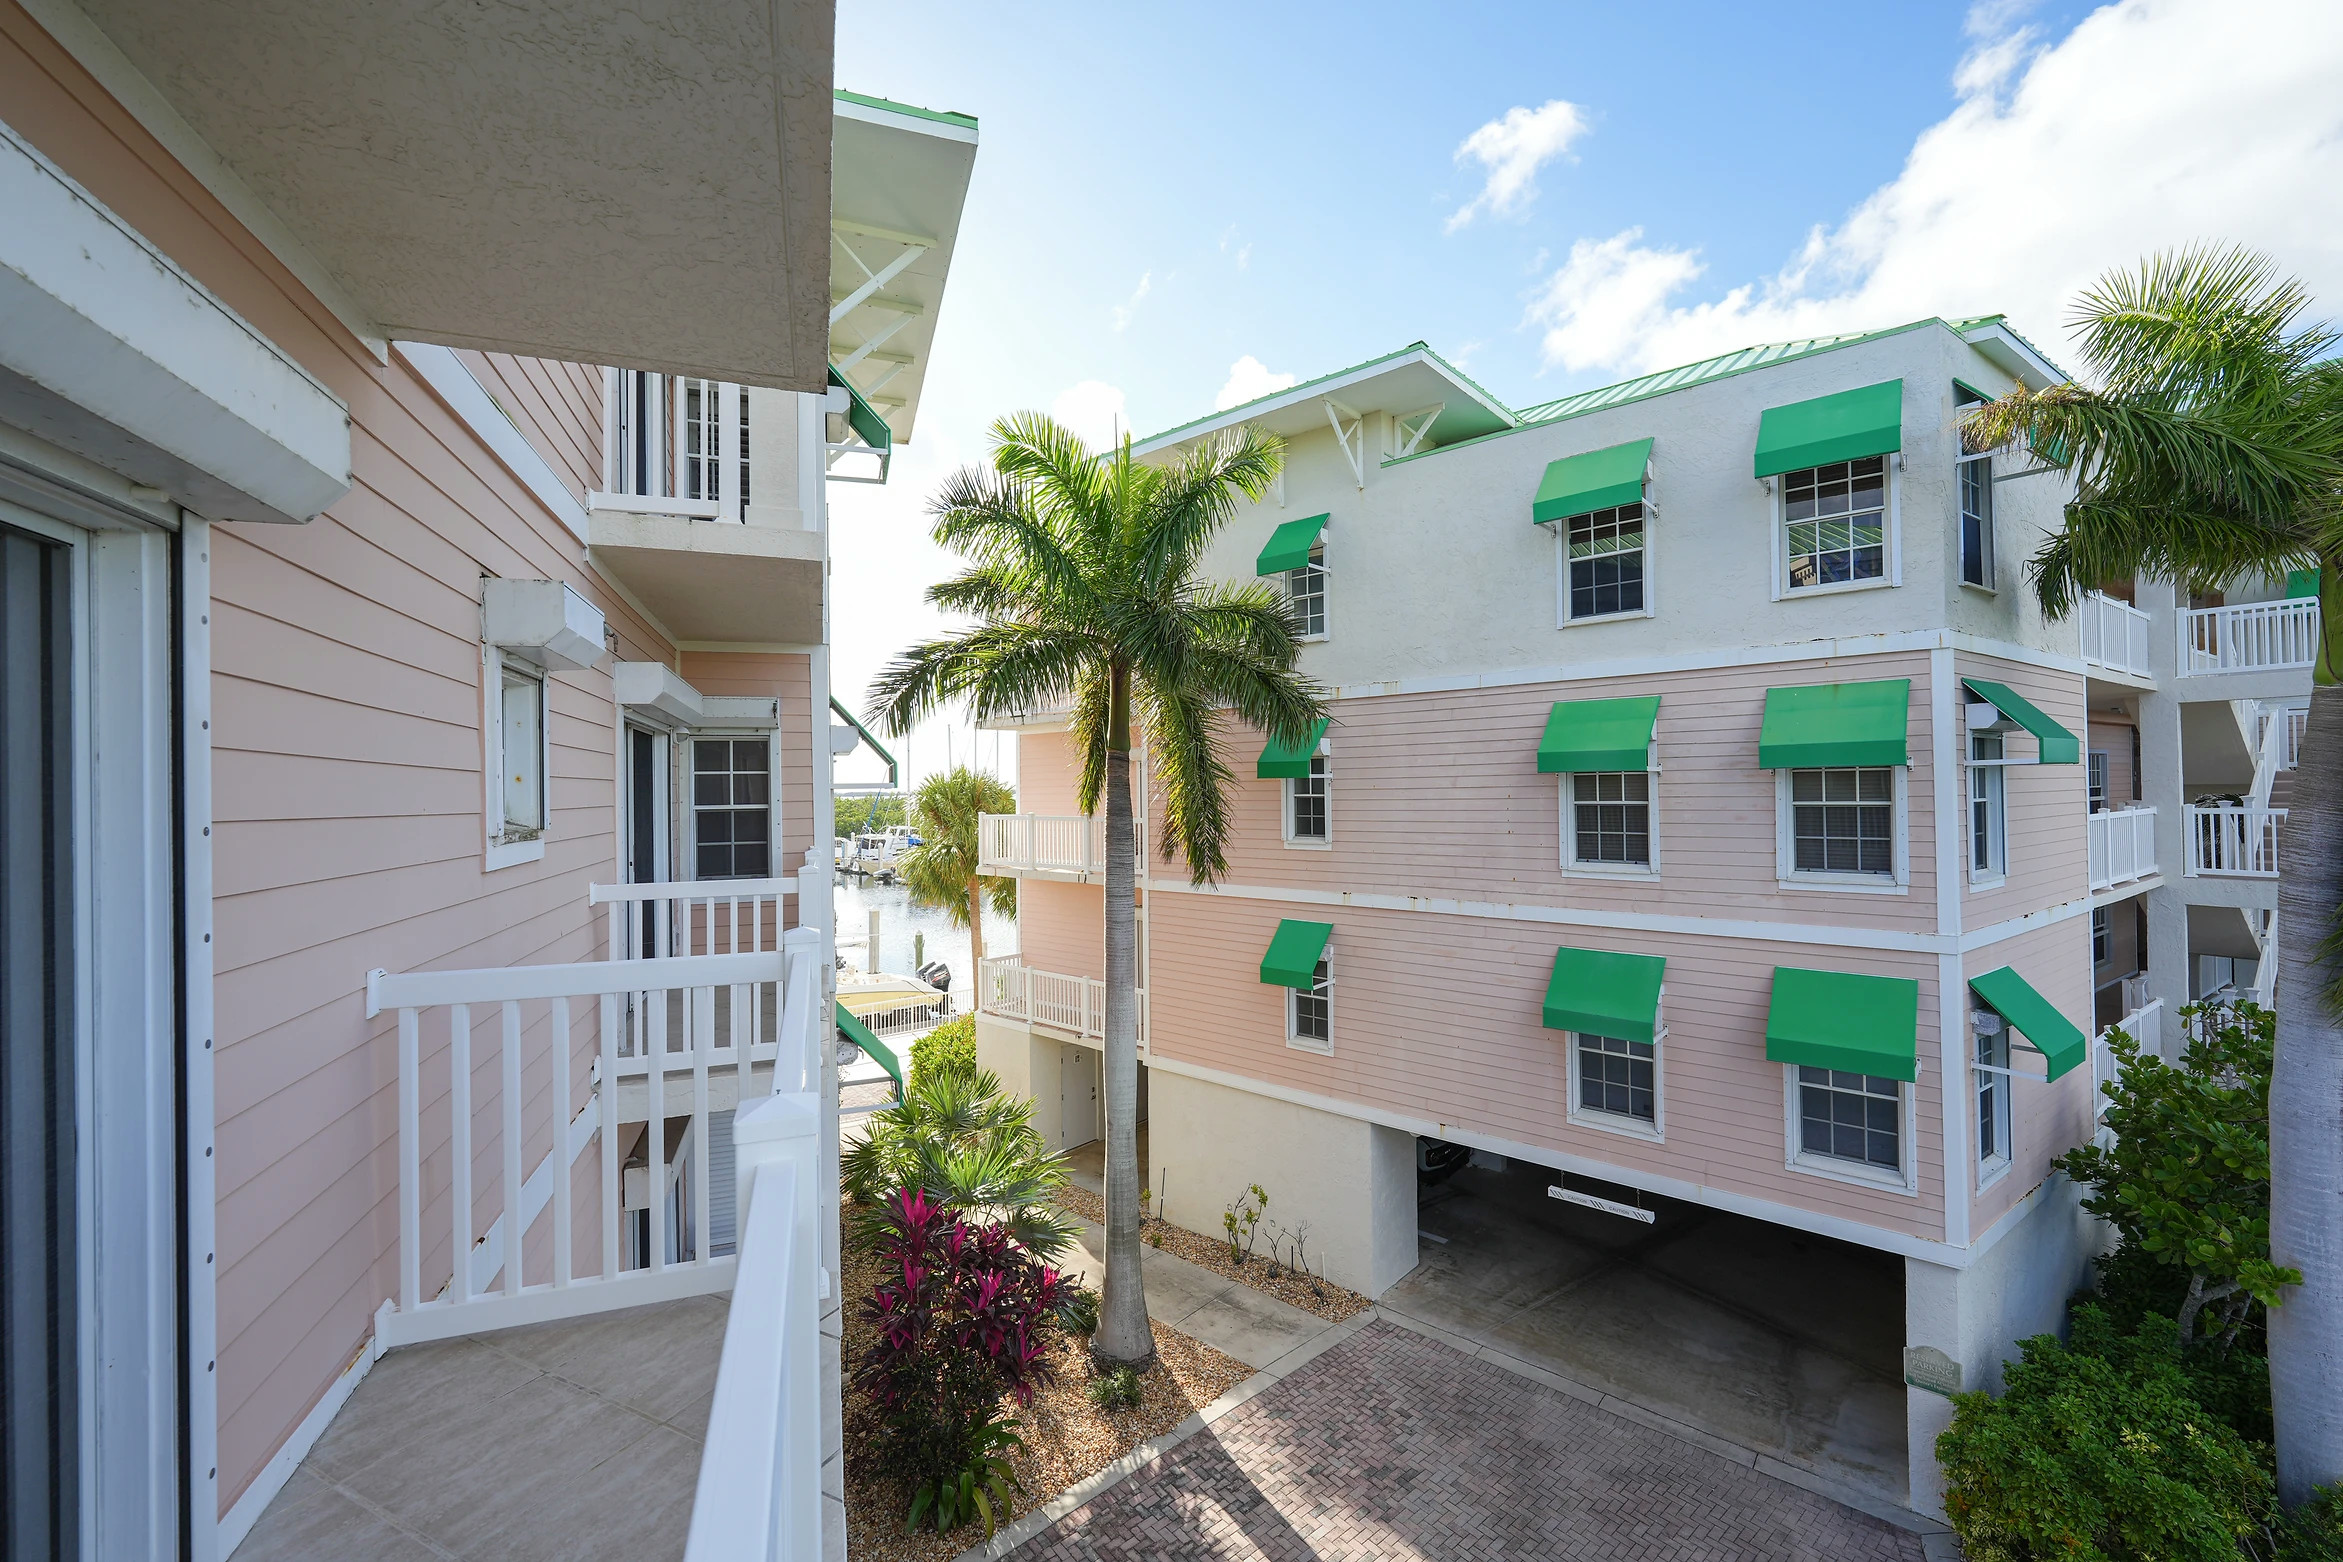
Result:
[2160,789]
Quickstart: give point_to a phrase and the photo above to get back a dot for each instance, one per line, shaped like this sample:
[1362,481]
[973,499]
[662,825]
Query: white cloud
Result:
[2154,124]
[1512,150]
[1248,378]
[1096,411]
[1130,306]
[1245,255]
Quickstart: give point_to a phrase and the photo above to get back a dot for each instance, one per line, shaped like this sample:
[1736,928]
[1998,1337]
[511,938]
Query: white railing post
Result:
[759,1494]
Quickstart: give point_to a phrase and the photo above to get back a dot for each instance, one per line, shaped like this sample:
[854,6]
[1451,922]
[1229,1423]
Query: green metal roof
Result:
[940,116]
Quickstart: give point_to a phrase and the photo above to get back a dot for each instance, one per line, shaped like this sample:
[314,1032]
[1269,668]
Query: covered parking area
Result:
[1778,1341]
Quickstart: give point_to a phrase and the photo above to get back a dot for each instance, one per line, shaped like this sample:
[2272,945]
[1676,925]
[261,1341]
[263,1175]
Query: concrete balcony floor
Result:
[577,1440]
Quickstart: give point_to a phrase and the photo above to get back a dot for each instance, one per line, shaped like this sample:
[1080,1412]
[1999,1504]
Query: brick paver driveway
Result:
[1393,1447]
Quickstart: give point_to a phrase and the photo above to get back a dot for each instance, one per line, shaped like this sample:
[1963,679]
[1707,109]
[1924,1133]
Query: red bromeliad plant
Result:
[965,1318]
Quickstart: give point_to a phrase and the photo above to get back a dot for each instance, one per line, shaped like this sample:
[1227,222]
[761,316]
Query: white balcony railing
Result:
[759,1497]
[1008,987]
[2122,846]
[2233,842]
[2144,1025]
[526,1060]
[2115,634]
[1068,844]
[2250,637]
[698,917]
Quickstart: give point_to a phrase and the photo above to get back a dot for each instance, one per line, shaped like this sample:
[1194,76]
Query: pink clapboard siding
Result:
[556,406]
[1062,927]
[791,677]
[1438,1018]
[1439,795]
[348,786]
[2046,1118]
[1048,773]
[2049,861]
[2114,739]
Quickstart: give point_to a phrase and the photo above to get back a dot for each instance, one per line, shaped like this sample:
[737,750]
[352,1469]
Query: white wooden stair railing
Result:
[524,1061]
[695,916]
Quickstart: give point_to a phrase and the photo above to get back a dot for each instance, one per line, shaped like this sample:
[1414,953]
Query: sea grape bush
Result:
[966,1322]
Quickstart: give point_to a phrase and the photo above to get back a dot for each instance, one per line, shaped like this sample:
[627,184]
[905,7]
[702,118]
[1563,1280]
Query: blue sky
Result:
[1161,194]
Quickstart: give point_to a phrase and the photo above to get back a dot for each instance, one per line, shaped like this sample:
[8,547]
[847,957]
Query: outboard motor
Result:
[937,975]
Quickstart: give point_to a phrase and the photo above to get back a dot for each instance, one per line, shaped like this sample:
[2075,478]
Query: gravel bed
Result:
[1308,1292]
[1067,1438]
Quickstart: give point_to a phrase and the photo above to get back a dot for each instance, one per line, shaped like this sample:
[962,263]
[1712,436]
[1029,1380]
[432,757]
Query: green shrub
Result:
[2099,1451]
[2314,1531]
[2230,1379]
[950,1046]
[965,1144]
[1078,1313]
[1116,1390]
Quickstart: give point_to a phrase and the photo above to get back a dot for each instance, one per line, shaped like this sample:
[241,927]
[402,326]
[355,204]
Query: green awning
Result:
[2301,583]
[1290,545]
[1835,1019]
[1604,994]
[1288,762]
[873,1048]
[863,418]
[1844,427]
[1292,960]
[1598,735]
[2059,746]
[1597,480]
[2046,1030]
[1835,724]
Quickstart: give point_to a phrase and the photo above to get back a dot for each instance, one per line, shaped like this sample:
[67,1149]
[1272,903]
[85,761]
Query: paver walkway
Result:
[1391,1447]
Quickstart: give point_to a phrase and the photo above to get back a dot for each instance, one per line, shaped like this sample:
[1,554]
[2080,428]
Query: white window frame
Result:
[1574,868]
[1991,773]
[1317,561]
[1654,1131]
[1789,876]
[1293,1036]
[771,736]
[500,852]
[1989,585]
[1322,755]
[1777,490]
[1905,1181]
[2102,936]
[1992,1168]
[2097,768]
[1561,530]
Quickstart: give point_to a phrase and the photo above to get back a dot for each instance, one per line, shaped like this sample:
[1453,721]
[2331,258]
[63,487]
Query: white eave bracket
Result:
[1350,431]
[1410,428]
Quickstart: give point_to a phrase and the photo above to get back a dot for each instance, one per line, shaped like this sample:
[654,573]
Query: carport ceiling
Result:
[644,184]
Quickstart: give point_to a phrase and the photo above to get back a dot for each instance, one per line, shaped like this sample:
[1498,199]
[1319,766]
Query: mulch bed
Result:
[1067,1438]
[1262,1273]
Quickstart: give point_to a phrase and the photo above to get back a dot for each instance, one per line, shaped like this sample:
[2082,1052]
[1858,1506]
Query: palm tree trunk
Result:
[1124,1337]
[2306,1118]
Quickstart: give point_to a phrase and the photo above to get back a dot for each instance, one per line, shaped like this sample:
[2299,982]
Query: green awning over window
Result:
[2046,1030]
[1597,480]
[1292,960]
[1290,545]
[1604,994]
[1598,735]
[1280,762]
[873,1048]
[863,418]
[1834,1019]
[1835,724]
[2059,746]
[2301,583]
[1844,427]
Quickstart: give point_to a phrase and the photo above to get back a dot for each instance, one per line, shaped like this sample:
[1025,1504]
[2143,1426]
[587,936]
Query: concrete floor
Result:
[1777,1341]
[567,1442]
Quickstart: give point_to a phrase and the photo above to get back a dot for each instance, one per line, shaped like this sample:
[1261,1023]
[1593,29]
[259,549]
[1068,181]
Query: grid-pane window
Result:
[1992,1076]
[1305,588]
[1835,520]
[1606,562]
[1843,821]
[1987,819]
[1850,1117]
[1976,483]
[1313,1011]
[702,439]
[2097,764]
[1610,818]
[732,812]
[1616,1076]
[1306,820]
[2102,929]
[743,398]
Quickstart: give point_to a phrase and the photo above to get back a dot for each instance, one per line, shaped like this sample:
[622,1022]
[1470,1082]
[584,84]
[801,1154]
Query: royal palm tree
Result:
[941,870]
[2208,447]
[1082,579]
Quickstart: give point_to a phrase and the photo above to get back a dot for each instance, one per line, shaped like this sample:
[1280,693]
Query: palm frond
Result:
[1087,730]
[1183,751]
[1002,522]
[1199,496]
